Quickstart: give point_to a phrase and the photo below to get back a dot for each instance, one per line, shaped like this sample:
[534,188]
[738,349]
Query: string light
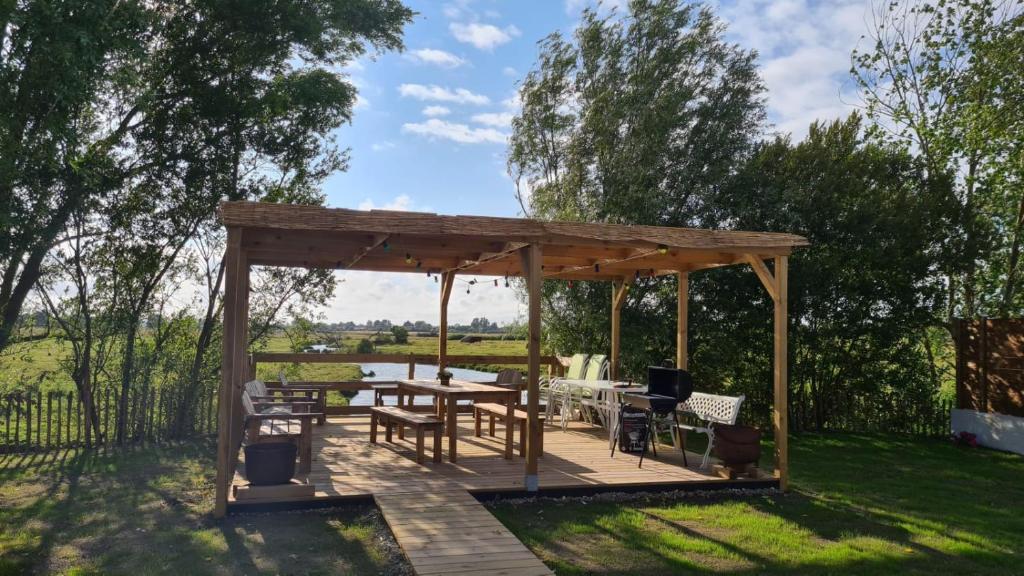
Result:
[385,245]
[419,263]
[495,282]
[636,275]
[662,249]
[506,281]
[408,258]
[597,267]
[570,283]
[435,279]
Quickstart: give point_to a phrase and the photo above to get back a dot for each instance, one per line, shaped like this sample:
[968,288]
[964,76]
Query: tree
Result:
[164,103]
[942,77]
[860,297]
[638,119]
[400,334]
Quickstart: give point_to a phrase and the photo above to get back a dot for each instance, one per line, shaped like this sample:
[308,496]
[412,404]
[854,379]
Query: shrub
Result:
[364,347]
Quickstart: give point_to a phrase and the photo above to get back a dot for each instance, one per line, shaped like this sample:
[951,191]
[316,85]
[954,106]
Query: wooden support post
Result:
[683,322]
[619,290]
[447,282]
[531,263]
[233,366]
[780,406]
[777,285]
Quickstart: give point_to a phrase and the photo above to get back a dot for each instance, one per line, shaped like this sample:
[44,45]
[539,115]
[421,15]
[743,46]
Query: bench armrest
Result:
[292,416]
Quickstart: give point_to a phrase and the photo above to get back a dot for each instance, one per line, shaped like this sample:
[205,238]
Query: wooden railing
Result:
[554,365]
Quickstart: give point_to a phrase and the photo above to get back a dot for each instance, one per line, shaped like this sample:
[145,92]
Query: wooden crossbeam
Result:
[767,279]
[510,249]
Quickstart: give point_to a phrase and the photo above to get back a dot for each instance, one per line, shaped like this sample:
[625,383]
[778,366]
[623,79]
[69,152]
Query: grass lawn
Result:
[860,505]
[148,511]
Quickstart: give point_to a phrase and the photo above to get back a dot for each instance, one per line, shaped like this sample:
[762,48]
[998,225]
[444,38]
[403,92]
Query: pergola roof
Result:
[382,240]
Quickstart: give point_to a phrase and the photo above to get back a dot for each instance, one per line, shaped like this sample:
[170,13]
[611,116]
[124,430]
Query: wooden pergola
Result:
[262,234]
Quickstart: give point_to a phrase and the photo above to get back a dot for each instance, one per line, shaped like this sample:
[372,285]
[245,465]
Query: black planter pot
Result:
[270,463]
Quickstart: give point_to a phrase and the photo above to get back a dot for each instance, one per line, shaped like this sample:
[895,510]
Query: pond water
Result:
[391,372]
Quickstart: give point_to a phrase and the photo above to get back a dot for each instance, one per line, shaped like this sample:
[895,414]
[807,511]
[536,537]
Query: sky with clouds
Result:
[431,123]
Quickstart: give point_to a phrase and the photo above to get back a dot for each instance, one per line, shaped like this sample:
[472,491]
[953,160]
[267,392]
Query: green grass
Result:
[860,505]
[148,511]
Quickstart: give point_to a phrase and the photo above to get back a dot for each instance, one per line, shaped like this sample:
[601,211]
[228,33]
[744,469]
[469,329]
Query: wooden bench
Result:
[278,421]
[389,416]
[499,412]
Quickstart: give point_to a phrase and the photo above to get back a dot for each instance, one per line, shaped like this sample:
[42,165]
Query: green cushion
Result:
[595,367]
[577,366]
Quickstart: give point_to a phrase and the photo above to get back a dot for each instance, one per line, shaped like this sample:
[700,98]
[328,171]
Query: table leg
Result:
[510,425]
[453,425]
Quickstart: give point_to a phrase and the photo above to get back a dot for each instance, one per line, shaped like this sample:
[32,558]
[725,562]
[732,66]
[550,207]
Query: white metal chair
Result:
[553,393]
[710,409]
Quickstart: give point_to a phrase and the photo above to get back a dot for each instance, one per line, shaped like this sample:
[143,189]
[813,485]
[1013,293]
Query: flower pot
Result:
[737,445]
[270,463]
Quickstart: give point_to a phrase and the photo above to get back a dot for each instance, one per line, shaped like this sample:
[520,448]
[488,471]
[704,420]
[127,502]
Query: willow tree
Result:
[637,118]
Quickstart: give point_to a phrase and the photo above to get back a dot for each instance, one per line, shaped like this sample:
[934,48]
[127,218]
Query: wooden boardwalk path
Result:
[449,532]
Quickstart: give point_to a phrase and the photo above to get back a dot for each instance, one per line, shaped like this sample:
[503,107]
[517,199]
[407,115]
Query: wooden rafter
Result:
[764,274]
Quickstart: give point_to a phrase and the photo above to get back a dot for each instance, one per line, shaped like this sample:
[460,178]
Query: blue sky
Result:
[430,126]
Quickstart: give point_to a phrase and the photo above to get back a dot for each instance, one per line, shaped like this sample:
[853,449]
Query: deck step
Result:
[437,540]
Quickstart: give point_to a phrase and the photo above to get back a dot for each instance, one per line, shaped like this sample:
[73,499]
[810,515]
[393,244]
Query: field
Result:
[38,363]
[861,504]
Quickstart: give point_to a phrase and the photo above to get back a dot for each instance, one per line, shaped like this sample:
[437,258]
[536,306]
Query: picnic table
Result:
[447,398]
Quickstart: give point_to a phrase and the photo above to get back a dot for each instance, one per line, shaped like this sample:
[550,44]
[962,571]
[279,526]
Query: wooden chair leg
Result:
[419,444]
[373,428]
[476,422]
[437,444]
[490,425]
[306,446]
[387,430]
[401,430]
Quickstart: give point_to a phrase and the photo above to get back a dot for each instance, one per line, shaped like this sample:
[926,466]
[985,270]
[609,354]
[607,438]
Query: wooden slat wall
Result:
[990,365]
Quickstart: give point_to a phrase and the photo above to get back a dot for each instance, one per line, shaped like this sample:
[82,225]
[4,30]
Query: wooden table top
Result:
[456,387]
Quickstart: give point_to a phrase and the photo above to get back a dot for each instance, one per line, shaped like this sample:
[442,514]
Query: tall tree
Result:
[163,101]
[638,119]
[942,77]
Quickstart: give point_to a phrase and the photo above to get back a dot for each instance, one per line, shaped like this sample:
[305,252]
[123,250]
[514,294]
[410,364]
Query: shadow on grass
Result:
[861,505]
[148,510]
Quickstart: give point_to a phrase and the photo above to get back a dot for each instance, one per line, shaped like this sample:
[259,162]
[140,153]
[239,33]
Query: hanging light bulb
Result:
[428,273]
[408,258]
[636,275]
[435,279]
[385,245]
[597,267]
[570,283]
[419,263]
[467,290]
[495,282]
[662,249]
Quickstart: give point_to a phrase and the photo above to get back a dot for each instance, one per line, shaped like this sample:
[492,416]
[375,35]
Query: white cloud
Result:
[804,54]
[513,102]
[412,296]
[497,119]
[436,111]
[401,203]
[435,128]
[439,94]
[382,146]
[483,36]
[362,102]
[509,71]
[435,57]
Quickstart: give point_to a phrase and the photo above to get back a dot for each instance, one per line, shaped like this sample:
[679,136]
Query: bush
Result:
[364,347]
[400,334]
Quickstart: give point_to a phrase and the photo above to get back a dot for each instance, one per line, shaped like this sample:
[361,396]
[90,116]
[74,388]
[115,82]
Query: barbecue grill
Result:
[666,388]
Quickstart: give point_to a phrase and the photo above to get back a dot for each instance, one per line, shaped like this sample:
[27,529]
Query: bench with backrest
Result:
[280,421]
[708,409]
[312,392]
[390,416]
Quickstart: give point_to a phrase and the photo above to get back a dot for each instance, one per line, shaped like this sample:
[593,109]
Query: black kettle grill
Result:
[666,388]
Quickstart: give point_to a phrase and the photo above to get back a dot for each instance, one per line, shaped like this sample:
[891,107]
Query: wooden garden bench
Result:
[389,416]
[496,411]
[278,421]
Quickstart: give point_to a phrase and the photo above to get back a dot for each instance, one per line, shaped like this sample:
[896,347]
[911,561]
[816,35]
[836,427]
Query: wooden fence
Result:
[990,365]
[34,420]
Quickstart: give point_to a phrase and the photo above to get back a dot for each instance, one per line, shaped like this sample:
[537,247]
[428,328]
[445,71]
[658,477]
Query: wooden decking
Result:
[450,532]
[433,508]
